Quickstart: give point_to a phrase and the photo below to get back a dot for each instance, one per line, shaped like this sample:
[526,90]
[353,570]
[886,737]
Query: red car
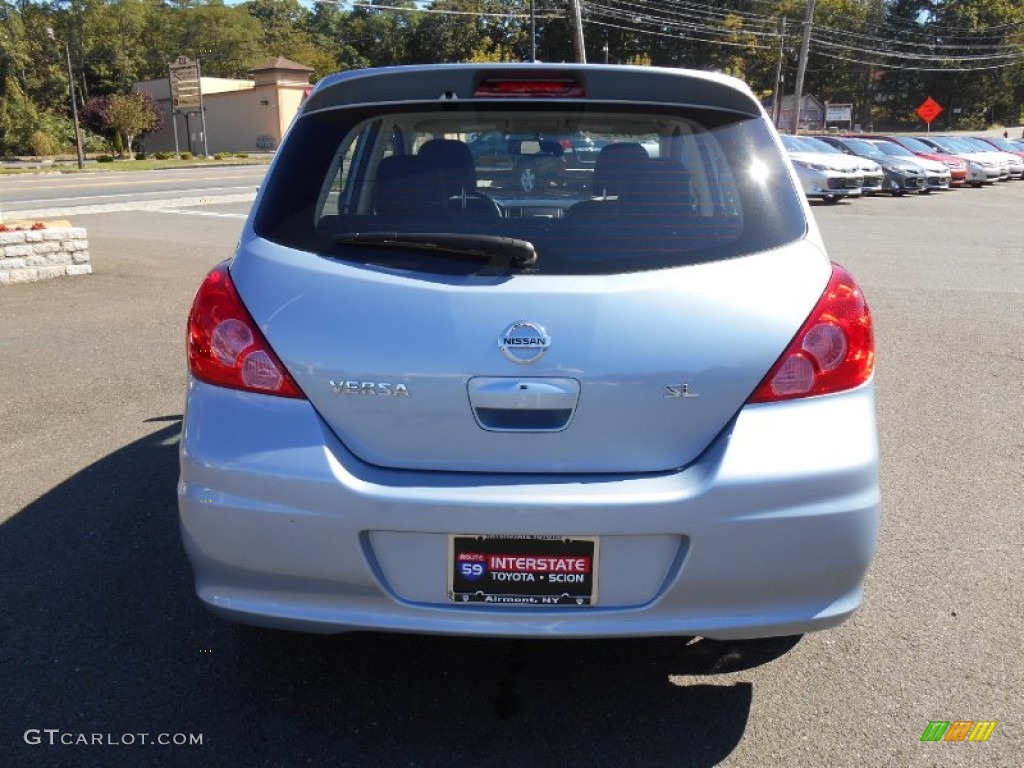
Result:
[957,167]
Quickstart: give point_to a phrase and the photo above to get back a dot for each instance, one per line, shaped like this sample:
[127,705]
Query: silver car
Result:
[830,176]
[937,175]
[873,177]
[418,401]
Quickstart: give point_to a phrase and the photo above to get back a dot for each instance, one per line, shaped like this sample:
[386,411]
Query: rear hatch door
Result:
[529,373]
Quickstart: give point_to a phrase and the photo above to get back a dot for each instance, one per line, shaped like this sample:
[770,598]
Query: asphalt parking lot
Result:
[102,636]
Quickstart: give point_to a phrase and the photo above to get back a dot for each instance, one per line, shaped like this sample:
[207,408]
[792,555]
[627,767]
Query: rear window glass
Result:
[593,189]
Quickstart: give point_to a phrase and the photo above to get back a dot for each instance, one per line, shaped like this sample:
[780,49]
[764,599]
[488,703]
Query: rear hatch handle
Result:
[523,404]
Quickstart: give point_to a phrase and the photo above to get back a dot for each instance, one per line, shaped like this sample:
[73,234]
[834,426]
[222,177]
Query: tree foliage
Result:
[133,115]
[883,56]
[122,118]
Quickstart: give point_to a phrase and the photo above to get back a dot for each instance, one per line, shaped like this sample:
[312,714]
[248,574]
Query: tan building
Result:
[241,115]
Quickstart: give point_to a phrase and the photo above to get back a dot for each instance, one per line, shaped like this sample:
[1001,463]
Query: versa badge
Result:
[376,388]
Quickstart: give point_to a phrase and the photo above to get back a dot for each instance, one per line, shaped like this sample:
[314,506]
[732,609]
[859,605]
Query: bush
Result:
[43,144]
[241,154]
[186,155]
[92,143]
[221,155]
[163,155]
[140,155]
[104,158]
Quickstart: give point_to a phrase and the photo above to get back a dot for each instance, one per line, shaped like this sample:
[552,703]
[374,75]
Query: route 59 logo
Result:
[472,566]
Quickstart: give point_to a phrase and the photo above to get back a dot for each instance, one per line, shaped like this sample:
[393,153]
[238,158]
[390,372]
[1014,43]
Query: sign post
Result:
[186,94]
[839,113]
[928,111]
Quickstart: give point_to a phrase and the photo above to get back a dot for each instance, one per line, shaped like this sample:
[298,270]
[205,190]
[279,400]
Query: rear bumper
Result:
[770,532]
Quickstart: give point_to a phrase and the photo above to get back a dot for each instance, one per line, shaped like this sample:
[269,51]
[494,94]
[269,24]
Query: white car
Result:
[829,177]
[983,167]
[874,176]
[1014,161]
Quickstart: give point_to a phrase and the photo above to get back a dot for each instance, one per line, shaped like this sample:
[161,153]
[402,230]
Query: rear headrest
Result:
[661,186]
[455,162]
[409,185]
[616,166]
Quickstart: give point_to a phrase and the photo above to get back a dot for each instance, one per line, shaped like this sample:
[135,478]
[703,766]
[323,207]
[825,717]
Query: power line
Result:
[701,24]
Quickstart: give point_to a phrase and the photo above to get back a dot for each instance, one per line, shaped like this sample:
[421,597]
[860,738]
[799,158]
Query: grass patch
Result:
[70,166]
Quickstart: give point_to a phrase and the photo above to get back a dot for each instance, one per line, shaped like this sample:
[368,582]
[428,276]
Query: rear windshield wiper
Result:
[506,252]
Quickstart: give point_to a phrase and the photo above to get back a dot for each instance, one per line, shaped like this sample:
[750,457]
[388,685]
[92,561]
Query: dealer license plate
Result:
[522,570]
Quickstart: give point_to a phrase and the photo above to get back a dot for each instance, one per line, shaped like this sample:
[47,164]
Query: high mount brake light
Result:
[834,350]
[226,348]
[564,88]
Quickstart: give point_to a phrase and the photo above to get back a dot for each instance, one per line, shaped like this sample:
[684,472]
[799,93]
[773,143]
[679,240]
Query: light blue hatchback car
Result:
[636,400]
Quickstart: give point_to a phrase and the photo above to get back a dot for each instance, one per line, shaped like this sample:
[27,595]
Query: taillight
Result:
[226,348]
[527,86]
[834,350]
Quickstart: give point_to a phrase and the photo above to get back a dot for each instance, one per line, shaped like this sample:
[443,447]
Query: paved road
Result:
[53,195]
[102,635]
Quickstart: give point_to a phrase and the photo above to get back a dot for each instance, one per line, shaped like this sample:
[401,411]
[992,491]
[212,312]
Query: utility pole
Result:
[801,67]
[533,31]
[74,106]
[779,79]
[576,20]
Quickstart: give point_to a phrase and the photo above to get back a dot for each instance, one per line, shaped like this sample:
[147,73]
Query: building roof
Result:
[280,62]
[161,87]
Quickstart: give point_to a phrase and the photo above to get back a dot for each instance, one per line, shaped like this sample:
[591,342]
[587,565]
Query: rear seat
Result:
[660,189]
[408,185]
[454,160]
[656,192]
[615,169]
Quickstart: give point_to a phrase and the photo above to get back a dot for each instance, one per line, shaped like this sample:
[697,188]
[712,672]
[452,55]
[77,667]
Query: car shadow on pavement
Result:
[106,651]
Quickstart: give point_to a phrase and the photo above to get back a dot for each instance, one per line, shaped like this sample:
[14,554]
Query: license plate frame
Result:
[534,571]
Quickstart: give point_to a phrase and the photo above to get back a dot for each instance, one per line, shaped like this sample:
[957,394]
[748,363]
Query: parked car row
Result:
[905,164]
[531,163]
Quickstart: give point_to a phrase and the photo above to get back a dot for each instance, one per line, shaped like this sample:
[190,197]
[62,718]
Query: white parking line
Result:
[140,205]
[135,195]
[186,212]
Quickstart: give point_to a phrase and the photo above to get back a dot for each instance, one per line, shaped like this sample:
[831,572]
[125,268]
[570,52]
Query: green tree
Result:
[227,41]
[372,37]
[112,40]
[18,119]
[282,22]
[884,56]
[465,30]
[985,94]
[843,29]
[132,115]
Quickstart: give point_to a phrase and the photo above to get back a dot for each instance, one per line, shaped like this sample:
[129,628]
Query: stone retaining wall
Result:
[37,254]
